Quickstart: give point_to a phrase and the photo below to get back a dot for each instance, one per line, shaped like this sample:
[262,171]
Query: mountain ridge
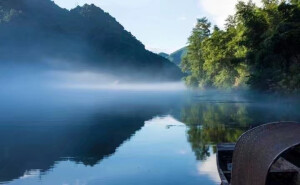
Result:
[176,56]
[85,36]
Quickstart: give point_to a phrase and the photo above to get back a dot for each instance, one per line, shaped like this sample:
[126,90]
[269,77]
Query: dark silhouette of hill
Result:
[39,134]
[41,33]
[39,147]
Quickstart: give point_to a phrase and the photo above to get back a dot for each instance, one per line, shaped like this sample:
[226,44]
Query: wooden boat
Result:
[224,161]
[266,155]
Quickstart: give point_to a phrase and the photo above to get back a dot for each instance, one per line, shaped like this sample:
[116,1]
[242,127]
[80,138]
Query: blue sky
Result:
[162,25]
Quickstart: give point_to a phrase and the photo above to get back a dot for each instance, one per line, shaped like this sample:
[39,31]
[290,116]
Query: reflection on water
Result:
[209,168]
[223,117]
[120,137]
[154,155]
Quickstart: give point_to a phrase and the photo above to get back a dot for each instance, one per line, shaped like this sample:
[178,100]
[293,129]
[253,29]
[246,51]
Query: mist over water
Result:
[38,78]
[82,127]
[98,81]
[83,102]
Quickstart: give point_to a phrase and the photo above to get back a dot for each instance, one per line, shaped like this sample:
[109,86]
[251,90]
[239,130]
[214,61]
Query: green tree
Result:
[274,48]
[259,48]
[192,63]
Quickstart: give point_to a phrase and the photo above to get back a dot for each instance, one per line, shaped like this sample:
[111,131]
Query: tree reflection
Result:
[212,123]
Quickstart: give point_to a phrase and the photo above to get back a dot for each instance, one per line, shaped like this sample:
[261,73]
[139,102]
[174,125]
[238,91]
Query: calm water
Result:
[78,137]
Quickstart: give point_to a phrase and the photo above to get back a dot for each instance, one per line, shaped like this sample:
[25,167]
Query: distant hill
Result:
[176,56]
[86,38]
[165,55]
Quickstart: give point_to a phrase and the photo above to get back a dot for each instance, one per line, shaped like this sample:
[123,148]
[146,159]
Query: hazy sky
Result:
[162,25]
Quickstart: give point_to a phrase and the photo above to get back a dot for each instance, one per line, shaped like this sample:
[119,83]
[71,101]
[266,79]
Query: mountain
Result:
[177,56]
[165,55]
[39,32]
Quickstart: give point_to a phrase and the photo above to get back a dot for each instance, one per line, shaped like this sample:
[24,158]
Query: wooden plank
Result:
[226,147]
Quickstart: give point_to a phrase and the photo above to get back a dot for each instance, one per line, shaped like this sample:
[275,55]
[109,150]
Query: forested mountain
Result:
[176,56]
[40,32]
[165,55]
[259,48]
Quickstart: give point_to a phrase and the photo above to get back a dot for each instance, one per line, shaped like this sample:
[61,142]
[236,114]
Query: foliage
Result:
[259,48]
[210,124]
[193,62]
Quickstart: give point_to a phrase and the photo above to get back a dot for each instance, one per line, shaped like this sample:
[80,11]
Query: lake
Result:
[132,137]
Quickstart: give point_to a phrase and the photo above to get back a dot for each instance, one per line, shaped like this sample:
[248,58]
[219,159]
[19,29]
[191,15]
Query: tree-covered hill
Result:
[259,48]
[177,56]
[40,32]
[165,55]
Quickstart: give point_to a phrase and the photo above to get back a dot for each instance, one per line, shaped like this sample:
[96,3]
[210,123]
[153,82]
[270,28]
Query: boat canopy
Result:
[259,148]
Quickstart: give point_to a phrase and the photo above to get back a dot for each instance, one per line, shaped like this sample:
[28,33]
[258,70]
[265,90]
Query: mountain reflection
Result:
[38,148]
[39,130]
[69,130]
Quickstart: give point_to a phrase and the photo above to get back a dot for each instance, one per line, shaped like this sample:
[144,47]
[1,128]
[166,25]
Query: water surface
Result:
[117,137]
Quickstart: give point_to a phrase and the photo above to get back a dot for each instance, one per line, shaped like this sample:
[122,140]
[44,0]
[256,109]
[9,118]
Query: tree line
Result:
[259,48]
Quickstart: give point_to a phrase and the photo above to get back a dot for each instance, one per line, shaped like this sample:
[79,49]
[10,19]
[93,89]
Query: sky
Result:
[161,25]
